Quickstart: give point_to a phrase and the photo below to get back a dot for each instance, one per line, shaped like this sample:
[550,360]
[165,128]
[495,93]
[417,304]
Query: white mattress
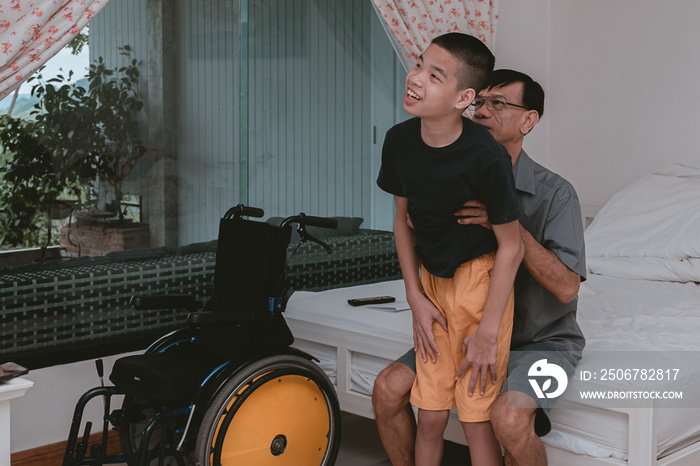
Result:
[331,308]
[615,315]
[637,316]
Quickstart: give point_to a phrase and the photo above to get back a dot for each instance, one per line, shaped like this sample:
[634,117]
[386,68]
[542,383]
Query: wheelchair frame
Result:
[169,435]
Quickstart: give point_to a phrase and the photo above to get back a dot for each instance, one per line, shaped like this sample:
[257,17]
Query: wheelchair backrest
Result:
[249,270]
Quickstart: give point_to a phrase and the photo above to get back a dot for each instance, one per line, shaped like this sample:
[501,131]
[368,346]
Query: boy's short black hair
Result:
[476,59]
[533,94]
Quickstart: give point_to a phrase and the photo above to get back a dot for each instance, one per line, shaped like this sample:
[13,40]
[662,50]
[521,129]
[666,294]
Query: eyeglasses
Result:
[493,104]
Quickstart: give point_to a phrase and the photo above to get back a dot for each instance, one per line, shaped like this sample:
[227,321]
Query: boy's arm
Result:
[481,347]
[423,311]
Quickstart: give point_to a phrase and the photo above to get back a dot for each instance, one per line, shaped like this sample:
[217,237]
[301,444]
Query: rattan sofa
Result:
[76,309]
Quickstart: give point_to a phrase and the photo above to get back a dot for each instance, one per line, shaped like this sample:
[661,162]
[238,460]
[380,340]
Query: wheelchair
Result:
[227,389]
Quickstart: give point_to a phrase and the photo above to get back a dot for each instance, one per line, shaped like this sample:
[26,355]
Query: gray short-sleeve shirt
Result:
[551,212]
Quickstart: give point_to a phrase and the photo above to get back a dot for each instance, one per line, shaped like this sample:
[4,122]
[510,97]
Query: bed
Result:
[639,309]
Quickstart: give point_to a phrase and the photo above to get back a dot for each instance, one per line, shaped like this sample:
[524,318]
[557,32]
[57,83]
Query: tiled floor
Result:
[360,446]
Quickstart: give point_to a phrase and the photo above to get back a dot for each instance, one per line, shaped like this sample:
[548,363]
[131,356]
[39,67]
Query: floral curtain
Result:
[31,32]
[412,24]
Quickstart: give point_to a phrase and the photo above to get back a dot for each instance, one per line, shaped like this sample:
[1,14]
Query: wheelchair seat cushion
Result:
[170,378]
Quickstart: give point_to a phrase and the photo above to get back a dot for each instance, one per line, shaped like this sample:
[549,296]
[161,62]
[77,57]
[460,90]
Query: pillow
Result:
[656,218]
[194,248]
[347,226]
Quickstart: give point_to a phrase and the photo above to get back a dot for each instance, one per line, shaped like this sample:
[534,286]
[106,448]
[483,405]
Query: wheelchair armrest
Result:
[209,318]
[164,301]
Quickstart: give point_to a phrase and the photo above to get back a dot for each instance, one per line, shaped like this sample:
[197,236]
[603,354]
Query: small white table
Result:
[14,388]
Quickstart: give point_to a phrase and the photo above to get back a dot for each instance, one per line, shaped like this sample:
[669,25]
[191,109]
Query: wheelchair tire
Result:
[279,410]
[140,412]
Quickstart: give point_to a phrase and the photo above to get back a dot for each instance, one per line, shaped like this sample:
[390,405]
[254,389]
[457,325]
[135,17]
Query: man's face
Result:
[504,125]
[431,86]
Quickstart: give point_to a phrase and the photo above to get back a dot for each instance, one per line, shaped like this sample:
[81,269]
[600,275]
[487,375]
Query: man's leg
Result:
[518,416]
[515,429]
[395,421]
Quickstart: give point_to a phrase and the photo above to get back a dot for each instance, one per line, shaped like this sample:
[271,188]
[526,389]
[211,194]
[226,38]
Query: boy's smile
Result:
[431,86]
[410,96]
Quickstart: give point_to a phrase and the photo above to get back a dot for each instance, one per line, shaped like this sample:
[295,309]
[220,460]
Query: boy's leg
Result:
[484,449]
[429,444]
[469,297]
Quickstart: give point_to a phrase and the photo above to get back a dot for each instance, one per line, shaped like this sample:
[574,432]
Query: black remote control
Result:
[371,300]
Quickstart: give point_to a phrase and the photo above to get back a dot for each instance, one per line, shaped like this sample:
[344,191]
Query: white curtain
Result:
[31,32]
[412,24]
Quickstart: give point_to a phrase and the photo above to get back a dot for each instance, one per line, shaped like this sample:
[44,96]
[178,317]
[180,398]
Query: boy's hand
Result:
[424,314]
[474,213]
[481,355]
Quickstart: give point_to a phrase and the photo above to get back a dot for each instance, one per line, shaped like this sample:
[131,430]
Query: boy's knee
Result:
[432,422]
[392,388]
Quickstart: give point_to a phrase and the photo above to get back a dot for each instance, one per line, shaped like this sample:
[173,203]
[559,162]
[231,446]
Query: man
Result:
[545,289]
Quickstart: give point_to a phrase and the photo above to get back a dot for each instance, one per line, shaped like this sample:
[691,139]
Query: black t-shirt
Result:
[437,181]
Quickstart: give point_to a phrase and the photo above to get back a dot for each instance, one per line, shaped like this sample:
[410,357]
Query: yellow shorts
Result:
[461,301]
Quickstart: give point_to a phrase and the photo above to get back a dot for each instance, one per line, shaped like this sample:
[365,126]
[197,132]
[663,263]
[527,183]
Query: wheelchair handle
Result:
[241,210]
[308,220]
[321,222]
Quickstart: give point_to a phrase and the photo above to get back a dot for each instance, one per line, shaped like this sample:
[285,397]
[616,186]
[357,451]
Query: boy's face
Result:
[431,86]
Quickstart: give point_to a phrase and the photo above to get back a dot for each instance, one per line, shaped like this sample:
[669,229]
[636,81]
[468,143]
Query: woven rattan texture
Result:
[51,310]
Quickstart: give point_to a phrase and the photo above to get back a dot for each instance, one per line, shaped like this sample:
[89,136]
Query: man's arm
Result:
[548,270]
[423,311]
[543,264]
[481,346]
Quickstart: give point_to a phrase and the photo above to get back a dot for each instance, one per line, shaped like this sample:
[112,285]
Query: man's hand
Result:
[474,213]
[424,314]
[480,353]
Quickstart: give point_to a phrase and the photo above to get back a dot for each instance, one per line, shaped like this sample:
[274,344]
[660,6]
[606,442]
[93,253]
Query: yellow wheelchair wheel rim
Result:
[284,421]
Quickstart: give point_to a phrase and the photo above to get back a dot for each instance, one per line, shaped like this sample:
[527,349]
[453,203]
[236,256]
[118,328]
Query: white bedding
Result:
[650,230]
[636,316]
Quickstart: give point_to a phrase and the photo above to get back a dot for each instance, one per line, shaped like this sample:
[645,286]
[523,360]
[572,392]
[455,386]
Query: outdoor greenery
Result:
[77,136]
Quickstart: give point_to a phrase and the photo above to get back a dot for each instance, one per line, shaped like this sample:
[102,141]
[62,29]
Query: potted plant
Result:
[94,131]
[80,137]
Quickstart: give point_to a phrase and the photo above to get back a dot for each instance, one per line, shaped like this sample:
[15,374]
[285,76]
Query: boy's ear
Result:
[465,98]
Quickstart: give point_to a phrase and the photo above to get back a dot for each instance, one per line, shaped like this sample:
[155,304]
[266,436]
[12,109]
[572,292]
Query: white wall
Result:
[621,84]
[43,415]
[522,44]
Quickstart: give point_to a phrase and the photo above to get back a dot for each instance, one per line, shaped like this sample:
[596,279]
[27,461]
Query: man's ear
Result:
[465,99]
[530,119]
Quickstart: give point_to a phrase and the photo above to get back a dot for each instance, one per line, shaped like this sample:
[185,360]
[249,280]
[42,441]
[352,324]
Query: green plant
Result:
[116,140]
[93,132]
[31,181]
[77,135]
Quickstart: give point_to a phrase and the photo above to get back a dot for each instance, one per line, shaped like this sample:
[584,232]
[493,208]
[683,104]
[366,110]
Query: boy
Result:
[432,164]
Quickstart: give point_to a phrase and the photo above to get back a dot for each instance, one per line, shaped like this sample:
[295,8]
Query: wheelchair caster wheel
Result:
[280,410]
[134,416]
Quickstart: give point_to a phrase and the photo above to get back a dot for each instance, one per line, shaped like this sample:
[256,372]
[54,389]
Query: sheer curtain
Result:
[31,32]
[412,24]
